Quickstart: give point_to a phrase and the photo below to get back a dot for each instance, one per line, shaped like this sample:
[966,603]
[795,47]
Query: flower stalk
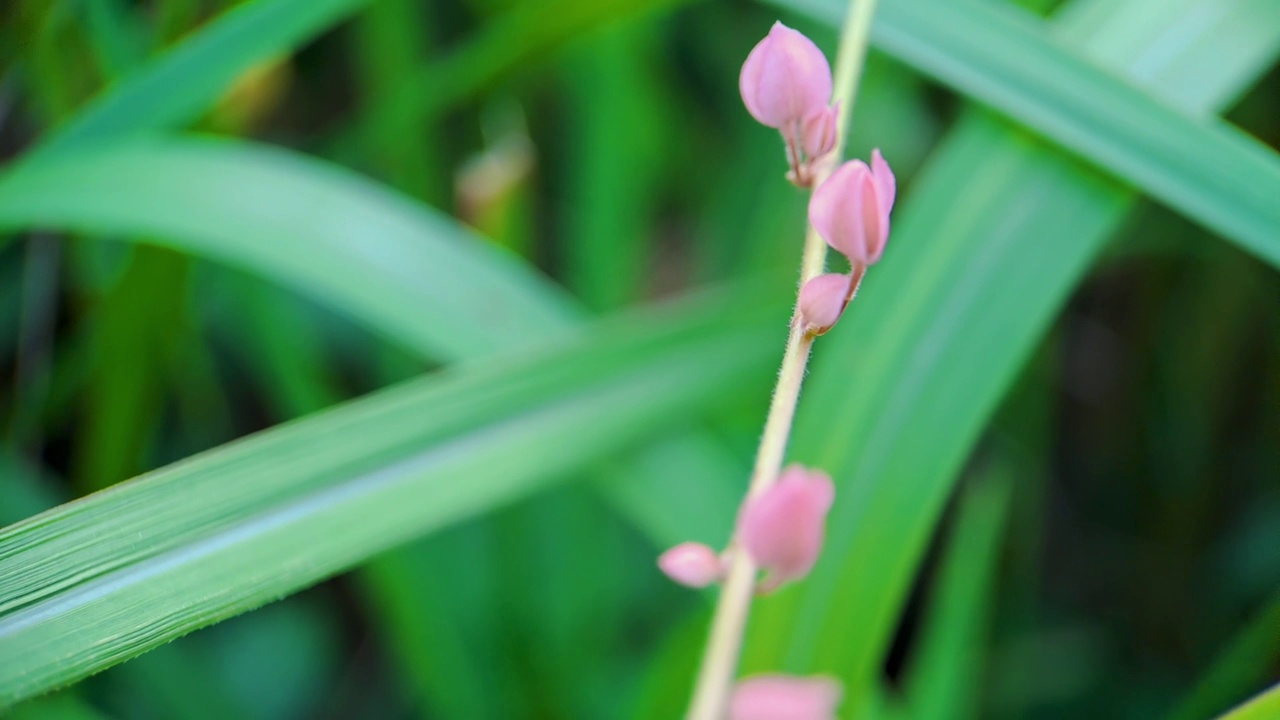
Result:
[719,665]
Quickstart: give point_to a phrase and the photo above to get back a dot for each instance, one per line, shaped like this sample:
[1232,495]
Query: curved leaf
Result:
[362,249]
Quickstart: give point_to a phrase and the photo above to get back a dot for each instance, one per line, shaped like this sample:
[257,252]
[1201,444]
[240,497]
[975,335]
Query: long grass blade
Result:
[364,250]
[183,83]
[944,678]
[97,581]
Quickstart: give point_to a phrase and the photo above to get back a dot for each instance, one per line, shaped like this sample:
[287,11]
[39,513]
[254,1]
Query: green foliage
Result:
[1266,705]
[331,233]
[503,510]
[181,86]
[946,671]
[257,519]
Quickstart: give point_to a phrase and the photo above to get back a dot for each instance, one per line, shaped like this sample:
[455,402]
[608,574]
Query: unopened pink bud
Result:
[783,697]
[785,78]
[822,301]
[818,133]
[782,528]
[850,210]
[692,564]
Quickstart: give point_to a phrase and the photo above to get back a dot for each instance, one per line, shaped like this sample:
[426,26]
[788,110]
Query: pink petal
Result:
[785,78]
[876,222]
[838,210]
[818,132]
[783,527]
[886,190]
[782,697]
[692,564]
[885,181]
[822,301]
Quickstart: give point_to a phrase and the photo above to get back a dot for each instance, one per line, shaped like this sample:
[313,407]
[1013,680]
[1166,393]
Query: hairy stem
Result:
[720,662]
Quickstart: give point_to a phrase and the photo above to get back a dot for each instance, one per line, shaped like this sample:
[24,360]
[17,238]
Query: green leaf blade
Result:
[181,85]
[324,230]
[107,577]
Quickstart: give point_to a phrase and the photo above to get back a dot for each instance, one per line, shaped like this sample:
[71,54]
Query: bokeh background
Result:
[1103,538]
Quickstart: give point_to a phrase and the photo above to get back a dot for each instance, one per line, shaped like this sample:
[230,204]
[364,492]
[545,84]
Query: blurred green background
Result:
[1052,414]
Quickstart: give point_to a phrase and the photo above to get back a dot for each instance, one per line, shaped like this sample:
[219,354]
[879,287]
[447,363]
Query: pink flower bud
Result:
[785,78]
[692,564]
[818,133]
[782,527]
[782,697]
[851,209]
[822,301]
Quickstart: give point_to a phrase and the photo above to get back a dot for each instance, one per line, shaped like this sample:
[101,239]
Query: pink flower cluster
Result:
[786,84]
[781,529]
[850,210]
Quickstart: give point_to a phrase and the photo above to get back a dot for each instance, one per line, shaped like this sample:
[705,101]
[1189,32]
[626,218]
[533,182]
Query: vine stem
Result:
[720,661]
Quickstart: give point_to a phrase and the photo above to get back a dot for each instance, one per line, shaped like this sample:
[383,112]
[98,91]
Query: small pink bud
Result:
[782,527]
[783,697]
[822,301]
[818,133]
[785,78]
[692,564]
[850,210]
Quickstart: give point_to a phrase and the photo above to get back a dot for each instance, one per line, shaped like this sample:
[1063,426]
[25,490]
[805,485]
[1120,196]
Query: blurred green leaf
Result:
[23,492]
[175,682]
[665,688]
[990,240]
[1204,168]
[612,187]
[63,706]
[281,339]
[95,582]
[644,486]
[505,44]
[444,637]
[183,83]
[278,662]
[944,678]
[116,39]
[369,252]
[1265,706]
[135,332]
[1001,56]
[390,40]
[1247,662]
[359,248]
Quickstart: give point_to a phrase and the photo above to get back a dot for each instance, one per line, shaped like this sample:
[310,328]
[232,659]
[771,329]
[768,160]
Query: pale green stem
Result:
[719,664]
